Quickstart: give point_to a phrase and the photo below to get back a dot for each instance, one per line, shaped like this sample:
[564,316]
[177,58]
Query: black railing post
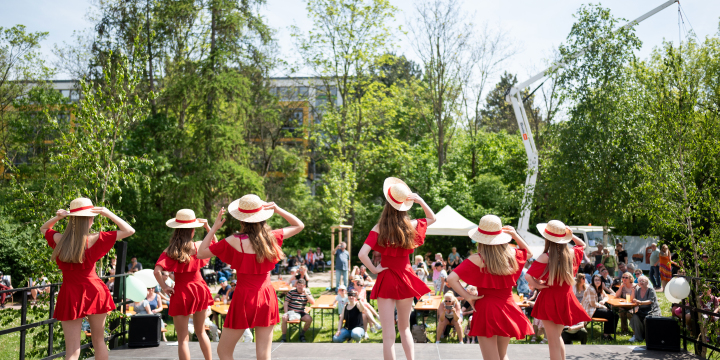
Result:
[23,321]
[51,330]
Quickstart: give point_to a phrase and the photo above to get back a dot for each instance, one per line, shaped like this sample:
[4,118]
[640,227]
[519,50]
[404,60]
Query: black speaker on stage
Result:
[662,333]
[144,331]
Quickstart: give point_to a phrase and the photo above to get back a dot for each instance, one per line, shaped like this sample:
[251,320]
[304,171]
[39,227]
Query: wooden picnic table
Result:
[522,304]
[221,309]
[615,305]
[428,303]
[324,302]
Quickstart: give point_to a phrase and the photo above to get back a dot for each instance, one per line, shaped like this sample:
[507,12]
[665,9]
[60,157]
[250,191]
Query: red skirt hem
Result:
[559,305]
[252,308]
[499,317]
[398,284]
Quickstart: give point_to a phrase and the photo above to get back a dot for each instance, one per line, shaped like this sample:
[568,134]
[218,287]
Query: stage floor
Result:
[299,351]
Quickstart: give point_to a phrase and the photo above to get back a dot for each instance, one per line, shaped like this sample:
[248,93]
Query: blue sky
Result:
[534,27]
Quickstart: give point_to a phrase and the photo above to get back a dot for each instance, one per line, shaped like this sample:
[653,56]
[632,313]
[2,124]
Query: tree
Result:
[589,165]
[498,114]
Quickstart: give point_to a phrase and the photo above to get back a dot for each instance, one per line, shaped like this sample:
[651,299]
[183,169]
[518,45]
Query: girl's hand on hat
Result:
[62,213]
[509,230]
[414,197]
[270,206]
[204,222]
[568,230]
[100,210]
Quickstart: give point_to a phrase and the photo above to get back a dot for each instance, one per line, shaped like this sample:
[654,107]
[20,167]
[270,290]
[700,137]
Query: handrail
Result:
[56,284]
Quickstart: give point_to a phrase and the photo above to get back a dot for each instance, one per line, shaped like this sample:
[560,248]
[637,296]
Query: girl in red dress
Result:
[82,293]
[190,296]
[554,274]
[253,253]
[494,270]
[395,236]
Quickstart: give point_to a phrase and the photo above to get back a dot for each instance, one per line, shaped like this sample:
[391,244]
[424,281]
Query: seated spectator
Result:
[223,291]
[576,332]
[355,271]
[622,268]
[522,284]
[39,281]
[222,269]
[646,299]
[154,300]
[134,265]
[454,259]
[638,274]
[110,283]
[214,331]
[295,301]
[5,284]
[439,278]
[710,303]
[420,268]
[310,261]
[146,307]
[598,269]
[341,298]
[233,286]
[350,323]
[579,287]
[588,271]
[319,259]
[292,278]
[429,258]
[365,276]
[302,274]
[370,316]
[594,304]
[377,257]
[627,289]
[450,313]
[607,281]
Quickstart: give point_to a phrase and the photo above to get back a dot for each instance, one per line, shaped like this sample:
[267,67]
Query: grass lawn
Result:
[9,344]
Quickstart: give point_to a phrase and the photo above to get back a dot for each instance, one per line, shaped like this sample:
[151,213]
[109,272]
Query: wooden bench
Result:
[595,320]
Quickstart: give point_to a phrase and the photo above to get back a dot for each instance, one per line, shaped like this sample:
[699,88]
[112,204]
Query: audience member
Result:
[621,253]
[664,264]
[450,314]
[341,299]
[214,331]
[429,258]
[439,278]
[420,268]
[453,259]
[370,316]
[630,268]
[233,286]
[597,255]
[292,279]
[598,269]
[299,258]
[622,268]
[310,261]
[607,281]
[319,259]
[295,301]
[588,270]
[522,284]
[576,332]
[647,302]
[365,276]
[302,274]
[4,285]
[439,257]
[579,287]
[594,304]
[350,323]
[638,274]
[467,312]
[223,291]
[154,300]
[654,267]
[342,259]
[222,269]
[608,260]
[377,257]
[134,265]
[677,261]
[710,303]
[626,290]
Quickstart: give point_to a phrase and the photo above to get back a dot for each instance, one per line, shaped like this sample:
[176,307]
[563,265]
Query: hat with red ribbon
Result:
[489,232]
[396,193]
[555,231]
[82,207]
[250,208]
[184,219]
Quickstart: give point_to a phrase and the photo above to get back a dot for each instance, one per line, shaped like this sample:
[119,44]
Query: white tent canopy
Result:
[450,222]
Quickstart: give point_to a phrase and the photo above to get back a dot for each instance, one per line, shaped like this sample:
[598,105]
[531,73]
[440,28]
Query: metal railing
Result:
[699,339]
[118,298]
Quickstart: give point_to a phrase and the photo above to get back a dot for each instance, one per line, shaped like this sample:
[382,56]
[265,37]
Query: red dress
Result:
[496,313]
[254,301]
[557,303]
[191,292]
[82,292]
[398,281]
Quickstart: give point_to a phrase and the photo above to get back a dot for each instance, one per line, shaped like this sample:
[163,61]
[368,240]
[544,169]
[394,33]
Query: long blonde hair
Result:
[560,264]
[181,245]
[265,244]
[395,229]
[71,247]
[497,259]
[580,282]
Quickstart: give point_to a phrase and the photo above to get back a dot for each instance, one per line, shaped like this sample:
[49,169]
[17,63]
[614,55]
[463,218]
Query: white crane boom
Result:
[514,96]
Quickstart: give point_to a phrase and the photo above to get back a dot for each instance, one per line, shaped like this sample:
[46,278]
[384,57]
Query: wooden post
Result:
[349,249]
[332,256]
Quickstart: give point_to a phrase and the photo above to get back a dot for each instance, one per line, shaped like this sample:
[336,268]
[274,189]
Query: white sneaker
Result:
[378,326]
[367,336]
[632,339]
[372,328]
[437,342]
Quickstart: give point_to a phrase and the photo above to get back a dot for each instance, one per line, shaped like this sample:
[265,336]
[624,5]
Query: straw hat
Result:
[81,207]
[249,208]
[489,232]
[555,231]
[396,193]
[184,219]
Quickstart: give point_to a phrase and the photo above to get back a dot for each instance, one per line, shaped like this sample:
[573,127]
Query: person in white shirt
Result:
[341,298]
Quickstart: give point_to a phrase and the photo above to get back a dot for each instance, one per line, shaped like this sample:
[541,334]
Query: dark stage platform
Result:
[296,351]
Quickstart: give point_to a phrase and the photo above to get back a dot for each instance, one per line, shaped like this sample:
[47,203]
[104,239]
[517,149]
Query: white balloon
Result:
[135,289]
[680,288]
[671,298]
[147,276]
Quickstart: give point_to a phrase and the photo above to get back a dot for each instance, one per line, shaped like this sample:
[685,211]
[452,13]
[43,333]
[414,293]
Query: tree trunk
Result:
[153,109]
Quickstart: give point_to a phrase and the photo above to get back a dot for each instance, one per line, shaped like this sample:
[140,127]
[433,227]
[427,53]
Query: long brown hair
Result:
[560,264]
[181,245]
[71,247]
[497,259]
[395,229]
[264,243]
[580,282]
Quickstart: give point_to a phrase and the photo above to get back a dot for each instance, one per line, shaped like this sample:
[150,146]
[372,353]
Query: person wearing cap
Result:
[82,293]
[223,291]
[350,321]
[252,253]
[190,296]
[396,236]
[494,270]
[554,273]
[341,299]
